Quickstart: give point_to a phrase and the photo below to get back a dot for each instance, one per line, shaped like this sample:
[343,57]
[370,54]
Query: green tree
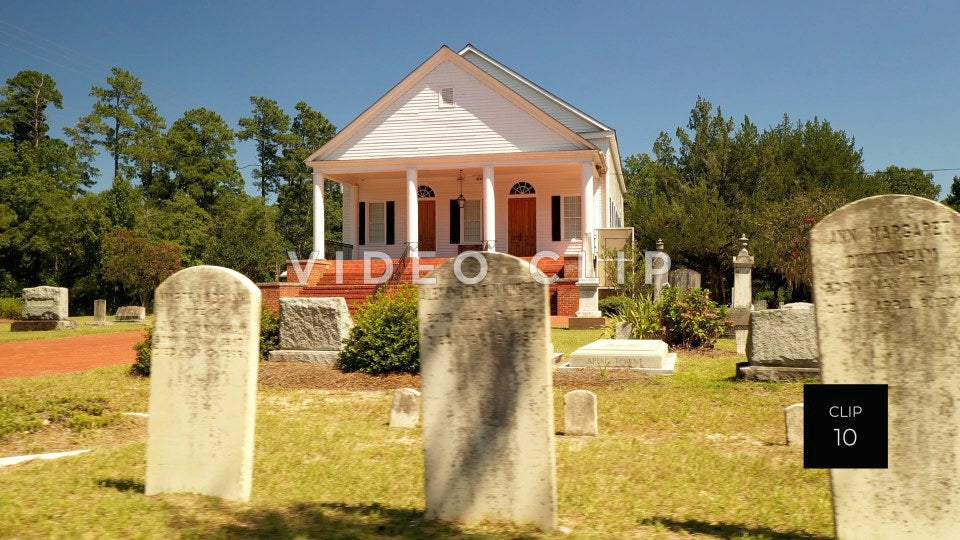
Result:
[903,181]
[181,221]
[124,122]
[138,263]
[123,202]
[311,130]
[245,237]
[953,198]
[269,126]
[23,116]
[200,150]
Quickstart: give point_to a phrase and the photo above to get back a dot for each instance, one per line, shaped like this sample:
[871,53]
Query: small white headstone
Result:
[793,416]
[650,355]
[580,413]
[488,425]
[203,384]
[405,412]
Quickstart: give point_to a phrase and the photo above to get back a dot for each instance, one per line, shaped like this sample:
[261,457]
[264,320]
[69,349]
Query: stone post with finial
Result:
[742,294]
[659,267]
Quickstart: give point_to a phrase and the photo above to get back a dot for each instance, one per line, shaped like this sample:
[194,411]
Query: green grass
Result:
[7,336]
[566,341]
[696,454]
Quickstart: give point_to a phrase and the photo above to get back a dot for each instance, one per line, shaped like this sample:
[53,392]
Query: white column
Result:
[489,211]
[354,219]
[318,243]
[413,218]
[586,197]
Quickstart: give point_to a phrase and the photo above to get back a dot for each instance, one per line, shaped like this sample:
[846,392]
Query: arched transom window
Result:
[425,192]
[522,188]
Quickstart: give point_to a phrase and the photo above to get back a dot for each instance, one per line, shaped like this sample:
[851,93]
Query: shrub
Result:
[269,333]
[385,337]
[645,318]
[11,308]
[614,306]
[142,366]
[689,318]
[269,340]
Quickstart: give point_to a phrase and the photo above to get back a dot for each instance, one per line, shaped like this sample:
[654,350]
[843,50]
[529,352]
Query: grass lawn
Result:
[691,455]
[82,330]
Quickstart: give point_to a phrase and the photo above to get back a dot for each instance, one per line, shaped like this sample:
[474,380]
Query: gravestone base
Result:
[29,326]
[750,372]
[649,355]
[98,323]
[585,323]
[328,358]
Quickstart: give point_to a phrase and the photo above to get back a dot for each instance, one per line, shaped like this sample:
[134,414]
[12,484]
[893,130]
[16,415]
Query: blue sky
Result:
[886,72]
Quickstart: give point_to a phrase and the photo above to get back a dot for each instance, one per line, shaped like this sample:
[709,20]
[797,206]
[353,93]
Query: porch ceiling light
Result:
[461,200]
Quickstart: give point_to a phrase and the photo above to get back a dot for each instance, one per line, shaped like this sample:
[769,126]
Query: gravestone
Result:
[793,418]
[131,314]
[649,355]
[488,426]
[203,384]
[742,295]
[684,278]
[580,413]
[44,308]
[405,412]
[887,300]
[660,269]
[623,330]
[312,330]
[782,345]
[99,313]
[588,313]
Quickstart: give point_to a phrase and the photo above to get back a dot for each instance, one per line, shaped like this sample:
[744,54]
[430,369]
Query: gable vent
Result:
[446,97]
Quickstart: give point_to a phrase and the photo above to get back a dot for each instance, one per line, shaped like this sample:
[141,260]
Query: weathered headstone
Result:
[659,270]
[488,426]
[44,308]
[405,412]
[742,294]
[312,330]
[623,330]
[131,314]
[588,313]
[887,301]
[650,355]
[782,345]
[684,278]
[760,305]
[99,313]
[203,384]
[793,419]
[580,413]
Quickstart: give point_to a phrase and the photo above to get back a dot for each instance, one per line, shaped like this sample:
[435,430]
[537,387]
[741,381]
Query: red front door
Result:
[522,226]
[427,217]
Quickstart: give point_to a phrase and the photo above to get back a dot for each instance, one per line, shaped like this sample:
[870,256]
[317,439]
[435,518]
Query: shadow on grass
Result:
[332,520]
[121,484]
[727,530]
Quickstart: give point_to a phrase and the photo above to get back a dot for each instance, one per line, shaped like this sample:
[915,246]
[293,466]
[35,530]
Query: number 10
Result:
[844,437]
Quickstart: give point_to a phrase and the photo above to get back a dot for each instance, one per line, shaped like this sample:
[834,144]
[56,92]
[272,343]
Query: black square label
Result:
[845,426]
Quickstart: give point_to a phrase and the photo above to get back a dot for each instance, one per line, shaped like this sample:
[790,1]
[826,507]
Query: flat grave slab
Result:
[650,355]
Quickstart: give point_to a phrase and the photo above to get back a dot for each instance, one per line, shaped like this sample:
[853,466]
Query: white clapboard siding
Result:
[481,122]
[573,121]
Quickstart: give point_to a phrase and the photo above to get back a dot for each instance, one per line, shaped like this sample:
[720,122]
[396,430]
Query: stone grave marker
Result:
[887,299]
[44,308]
[99,313]
[580,413]
[312,330]
[684,278]
[405,412]
[782,345]
[649,355]
[623,330]
[488,425]
[131,314]
[742,295]
[203,384]
[793,418]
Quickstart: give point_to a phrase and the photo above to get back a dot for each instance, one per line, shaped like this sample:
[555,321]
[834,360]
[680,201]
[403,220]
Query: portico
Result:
[518,204]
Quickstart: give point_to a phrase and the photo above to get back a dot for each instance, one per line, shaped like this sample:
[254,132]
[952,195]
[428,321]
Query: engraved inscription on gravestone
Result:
[886,287]
[203,384]
[488,423]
